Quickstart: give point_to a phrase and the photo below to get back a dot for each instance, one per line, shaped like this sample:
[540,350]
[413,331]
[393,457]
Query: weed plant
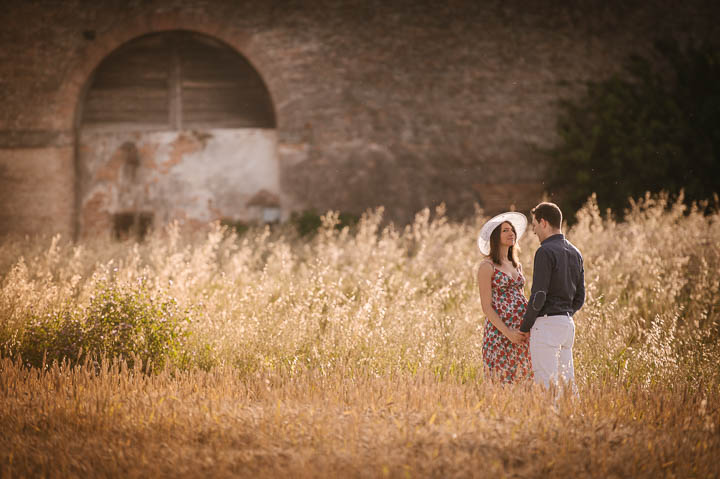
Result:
[354,353]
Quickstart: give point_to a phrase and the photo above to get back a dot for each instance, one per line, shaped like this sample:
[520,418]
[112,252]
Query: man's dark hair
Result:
[549,212]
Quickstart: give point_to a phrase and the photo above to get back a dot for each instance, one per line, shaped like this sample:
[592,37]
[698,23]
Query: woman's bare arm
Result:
[485,273]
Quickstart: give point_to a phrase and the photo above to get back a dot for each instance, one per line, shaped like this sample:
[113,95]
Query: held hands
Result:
[518,337]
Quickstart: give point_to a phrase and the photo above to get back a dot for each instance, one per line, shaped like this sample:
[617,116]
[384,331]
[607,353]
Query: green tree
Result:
[653,127]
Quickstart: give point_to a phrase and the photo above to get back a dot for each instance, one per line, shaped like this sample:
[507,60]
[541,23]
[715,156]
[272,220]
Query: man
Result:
[558,292]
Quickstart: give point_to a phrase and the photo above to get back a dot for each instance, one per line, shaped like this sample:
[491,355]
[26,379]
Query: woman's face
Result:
[507,235]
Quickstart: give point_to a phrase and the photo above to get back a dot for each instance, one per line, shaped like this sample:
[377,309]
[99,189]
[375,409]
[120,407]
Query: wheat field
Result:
[356,353]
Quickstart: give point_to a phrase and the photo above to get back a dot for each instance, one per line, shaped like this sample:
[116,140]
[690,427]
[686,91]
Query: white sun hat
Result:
[518,220]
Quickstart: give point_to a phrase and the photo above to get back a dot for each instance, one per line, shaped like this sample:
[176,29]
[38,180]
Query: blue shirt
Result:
[558,281]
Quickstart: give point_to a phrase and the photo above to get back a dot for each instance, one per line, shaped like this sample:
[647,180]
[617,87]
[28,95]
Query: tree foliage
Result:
[655,126]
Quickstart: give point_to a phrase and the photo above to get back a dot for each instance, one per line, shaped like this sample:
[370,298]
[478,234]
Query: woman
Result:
[500,280]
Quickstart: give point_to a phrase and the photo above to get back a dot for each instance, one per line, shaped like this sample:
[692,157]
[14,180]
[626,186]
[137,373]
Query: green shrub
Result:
[238,226]
[55,336]
[307,222]
[119,322]
[652,128]
[347,219]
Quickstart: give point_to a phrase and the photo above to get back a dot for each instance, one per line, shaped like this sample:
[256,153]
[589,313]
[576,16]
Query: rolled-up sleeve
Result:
[541,281]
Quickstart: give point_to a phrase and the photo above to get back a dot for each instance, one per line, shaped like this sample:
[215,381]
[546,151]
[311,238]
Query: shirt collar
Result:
[556,237]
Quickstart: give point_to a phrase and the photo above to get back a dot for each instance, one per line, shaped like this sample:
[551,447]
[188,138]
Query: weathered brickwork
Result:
[404,104]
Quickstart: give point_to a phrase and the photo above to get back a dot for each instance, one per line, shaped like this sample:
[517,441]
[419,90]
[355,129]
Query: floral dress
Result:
[505,361]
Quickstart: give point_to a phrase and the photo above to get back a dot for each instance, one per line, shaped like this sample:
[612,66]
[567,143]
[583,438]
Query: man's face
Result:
[538,228]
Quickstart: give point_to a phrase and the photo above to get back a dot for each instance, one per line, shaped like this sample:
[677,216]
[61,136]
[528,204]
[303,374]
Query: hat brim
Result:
[518,220]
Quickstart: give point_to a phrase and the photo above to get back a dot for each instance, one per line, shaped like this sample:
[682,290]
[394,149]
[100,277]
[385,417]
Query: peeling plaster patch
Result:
[233,166]
[95,217]
[203,136]
[110,171]
[184,144]
[195,176]
[147,152]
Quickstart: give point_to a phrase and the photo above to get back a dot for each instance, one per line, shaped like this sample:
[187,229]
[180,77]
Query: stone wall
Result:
[404,104]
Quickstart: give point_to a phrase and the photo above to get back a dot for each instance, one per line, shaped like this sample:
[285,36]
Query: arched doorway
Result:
[175,126]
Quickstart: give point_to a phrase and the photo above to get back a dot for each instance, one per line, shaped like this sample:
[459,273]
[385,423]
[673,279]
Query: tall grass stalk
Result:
[359,353]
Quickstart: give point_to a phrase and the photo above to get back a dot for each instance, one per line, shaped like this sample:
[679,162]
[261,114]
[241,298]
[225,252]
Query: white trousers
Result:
[551,342]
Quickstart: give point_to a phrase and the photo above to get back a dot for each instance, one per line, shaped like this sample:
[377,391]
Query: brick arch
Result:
[71,96]
[72,93]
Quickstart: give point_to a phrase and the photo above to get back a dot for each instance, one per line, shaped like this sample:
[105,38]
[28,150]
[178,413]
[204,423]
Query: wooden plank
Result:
[175,90]
[178,79]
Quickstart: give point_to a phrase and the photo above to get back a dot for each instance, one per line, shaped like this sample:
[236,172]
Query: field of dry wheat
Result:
[352,353]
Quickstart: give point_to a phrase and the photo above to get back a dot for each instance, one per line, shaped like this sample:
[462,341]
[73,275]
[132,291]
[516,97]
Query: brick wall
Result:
[403,103]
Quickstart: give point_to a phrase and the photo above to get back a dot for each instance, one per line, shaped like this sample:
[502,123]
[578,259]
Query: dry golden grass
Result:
[360,355]
[64,422]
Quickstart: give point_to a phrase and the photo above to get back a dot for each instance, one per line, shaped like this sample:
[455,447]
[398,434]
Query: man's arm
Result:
[579,298]
[541,281]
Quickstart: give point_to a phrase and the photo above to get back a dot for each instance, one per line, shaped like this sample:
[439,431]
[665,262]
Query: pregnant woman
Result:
[500,280]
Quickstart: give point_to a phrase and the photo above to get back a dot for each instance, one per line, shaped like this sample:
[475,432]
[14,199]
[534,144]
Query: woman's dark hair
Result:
[495,246]
[549,212]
